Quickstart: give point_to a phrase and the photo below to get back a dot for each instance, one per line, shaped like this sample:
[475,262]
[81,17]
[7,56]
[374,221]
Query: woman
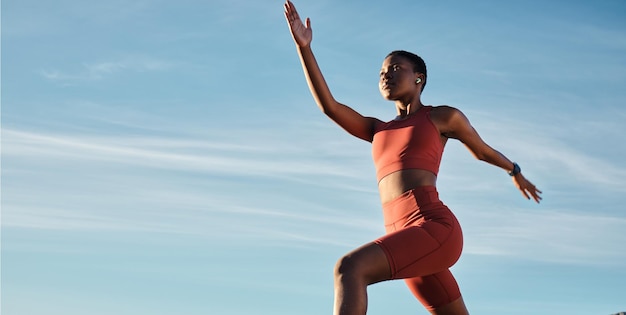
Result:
[423,237]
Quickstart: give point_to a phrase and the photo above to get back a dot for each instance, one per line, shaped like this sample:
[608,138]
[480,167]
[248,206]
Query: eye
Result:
[395,67]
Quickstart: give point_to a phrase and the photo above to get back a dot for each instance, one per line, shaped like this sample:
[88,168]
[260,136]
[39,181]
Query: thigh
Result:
[421,250]
[368,261]
[435,290]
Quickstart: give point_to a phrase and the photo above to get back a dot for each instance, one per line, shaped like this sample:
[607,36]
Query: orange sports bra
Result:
[411,143]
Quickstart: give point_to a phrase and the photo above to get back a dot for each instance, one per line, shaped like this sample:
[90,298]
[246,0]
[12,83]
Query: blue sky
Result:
[164,157]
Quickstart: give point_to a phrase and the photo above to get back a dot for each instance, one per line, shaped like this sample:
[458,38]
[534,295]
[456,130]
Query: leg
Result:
[457,307]
[423,240]
[425,266]
[439,293]
[353,273]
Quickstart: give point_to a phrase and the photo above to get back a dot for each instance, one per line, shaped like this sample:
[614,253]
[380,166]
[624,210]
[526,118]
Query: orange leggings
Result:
[423,240]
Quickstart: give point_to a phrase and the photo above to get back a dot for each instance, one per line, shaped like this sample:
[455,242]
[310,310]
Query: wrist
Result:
[304,47]
[516,170]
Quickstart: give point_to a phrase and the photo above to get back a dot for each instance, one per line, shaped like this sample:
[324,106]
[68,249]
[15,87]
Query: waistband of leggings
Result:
[422,195]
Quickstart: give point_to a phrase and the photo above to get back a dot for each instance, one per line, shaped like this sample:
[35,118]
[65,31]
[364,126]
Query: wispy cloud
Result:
[147,205]
[566,151]
[137,200]
[200,156]
[547,235]
[104,69]
[575,165]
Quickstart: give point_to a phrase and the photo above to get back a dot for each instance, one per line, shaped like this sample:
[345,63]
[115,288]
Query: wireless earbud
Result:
[418,80]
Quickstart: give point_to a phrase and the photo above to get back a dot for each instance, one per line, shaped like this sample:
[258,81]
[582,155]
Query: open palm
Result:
[302,34]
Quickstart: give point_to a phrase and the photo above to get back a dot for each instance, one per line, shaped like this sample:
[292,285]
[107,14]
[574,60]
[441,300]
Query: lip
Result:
[386,86]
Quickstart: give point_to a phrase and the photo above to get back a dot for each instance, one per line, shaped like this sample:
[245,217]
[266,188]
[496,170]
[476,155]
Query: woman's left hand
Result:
[527,188]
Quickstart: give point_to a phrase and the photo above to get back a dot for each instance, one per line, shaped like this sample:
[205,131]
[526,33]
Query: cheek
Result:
[385,94]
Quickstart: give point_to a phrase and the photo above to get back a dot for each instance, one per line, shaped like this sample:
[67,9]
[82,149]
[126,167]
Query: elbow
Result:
[327,110]
[481,156]
[489,156]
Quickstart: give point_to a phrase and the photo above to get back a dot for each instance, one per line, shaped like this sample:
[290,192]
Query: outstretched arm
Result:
[346,117]
[457,126]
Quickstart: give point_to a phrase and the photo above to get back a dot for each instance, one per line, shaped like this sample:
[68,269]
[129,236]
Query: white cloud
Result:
[104,69]
[135,198]
[547,235]
[573,161]
[203,156]
[552,235]
[573,149]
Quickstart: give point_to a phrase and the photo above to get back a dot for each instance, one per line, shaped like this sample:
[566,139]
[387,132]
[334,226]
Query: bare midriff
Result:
[395,184]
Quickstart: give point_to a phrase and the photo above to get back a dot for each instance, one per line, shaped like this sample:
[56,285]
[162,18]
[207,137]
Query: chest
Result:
[412,136]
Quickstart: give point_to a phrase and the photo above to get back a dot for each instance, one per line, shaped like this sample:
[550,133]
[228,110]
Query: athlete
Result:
[423,238]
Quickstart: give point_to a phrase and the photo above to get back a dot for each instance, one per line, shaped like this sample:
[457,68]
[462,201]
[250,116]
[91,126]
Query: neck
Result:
[405,109]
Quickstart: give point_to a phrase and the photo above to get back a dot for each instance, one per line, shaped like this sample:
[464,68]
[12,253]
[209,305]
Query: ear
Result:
[419,78]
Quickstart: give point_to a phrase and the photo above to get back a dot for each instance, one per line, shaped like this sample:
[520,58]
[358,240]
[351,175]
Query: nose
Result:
[385,76]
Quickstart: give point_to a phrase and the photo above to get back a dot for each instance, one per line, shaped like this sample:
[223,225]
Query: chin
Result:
[387,96]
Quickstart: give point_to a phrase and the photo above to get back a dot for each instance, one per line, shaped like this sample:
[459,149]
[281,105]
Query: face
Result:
[397,79]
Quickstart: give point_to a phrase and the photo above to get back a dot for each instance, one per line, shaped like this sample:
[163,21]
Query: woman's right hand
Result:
[301,34]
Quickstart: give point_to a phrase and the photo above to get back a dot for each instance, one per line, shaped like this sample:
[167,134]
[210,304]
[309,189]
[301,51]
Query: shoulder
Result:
[374,121]
[444,109]
[445,113]
[377,124]
[448,119]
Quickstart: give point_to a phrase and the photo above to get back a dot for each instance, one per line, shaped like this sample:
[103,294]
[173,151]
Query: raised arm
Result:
[454,124]
[350,120]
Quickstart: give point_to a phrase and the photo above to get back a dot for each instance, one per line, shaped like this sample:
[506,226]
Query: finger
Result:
[287,14]
[536,195]
[288,18]
[291,18]
[292,10]
[308,23]
[525,194]
[286,6]
[533,192]
[537,198]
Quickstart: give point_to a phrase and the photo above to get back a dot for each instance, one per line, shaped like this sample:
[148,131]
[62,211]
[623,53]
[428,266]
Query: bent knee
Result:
[368,267]
[346,265]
